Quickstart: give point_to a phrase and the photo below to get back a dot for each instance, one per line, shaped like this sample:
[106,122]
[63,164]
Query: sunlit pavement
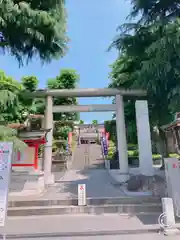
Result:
[84,227]
[109,237]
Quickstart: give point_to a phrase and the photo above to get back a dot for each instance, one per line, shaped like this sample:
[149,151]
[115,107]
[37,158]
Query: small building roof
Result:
[17,126]
[173,124]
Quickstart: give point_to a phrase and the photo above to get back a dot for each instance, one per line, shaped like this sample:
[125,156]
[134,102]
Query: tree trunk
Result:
[163,146]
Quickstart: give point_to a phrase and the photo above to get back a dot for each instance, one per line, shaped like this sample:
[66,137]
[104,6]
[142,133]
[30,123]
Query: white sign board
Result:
[6,150]
[173,179]
[81,194]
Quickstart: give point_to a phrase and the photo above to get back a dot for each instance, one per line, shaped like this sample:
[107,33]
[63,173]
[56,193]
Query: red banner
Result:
[107,138]
[107,135]
[69,138]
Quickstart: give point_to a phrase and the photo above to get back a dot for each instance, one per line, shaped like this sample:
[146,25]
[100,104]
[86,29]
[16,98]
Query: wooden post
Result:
[36,146]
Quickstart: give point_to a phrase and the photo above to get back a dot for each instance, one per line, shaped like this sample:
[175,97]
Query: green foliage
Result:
[28,105]
[10,135]
[9,89]
[15,106]
[81,122]
[94,122]
[149,59]
[30,83]
[61,130]
[67,79]
[33,27]
[110,126]
[151,10]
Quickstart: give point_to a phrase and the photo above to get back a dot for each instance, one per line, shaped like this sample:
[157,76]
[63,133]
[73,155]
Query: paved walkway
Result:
[87,168]
[110,237]
[98,185]
[87,156]
[23,185]
[85,227]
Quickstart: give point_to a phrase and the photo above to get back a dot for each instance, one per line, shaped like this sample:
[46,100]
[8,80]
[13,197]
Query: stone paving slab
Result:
[98,185]
[24,185]
[106,236]
[81,226]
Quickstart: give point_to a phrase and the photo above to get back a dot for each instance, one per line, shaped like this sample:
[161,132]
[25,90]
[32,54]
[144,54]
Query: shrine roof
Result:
[17,126]
[173,124]
[36,116]
[170,126]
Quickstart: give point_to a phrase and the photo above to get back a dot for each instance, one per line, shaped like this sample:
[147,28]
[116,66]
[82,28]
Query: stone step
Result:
[90,201]
[106,209]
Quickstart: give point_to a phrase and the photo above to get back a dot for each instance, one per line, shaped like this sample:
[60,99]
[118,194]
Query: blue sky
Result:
[91,27]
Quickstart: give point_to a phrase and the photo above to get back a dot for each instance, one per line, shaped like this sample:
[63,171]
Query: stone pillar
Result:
[48,176]
[121,139]
[144,138]
[167,219]
[43,122]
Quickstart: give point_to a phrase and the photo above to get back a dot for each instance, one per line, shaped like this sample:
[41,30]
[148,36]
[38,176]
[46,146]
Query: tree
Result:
[94,122]
[8,92]
[81,122]
[27,105]
[14,105]
[151,10]
[33,27]
[148,59]
[10,135]
[67,79]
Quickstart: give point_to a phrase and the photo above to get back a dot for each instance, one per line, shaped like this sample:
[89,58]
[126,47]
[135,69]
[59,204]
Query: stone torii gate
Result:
[142,119]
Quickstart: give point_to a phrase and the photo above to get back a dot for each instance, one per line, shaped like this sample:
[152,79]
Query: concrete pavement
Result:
[24,185]
[84,227]
[98,185]
[86,168]
[109,237]
[87,156]
[100,189]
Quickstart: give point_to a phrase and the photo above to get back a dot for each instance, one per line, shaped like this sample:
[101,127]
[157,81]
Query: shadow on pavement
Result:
[19,180]
[98,183]
[148,219]
[151,219]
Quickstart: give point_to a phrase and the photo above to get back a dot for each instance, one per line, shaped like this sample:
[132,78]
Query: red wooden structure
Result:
[34,143]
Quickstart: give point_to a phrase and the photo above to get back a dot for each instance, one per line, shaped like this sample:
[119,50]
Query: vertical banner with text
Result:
[172,172]
[104,145]
[6,150]
[69,138]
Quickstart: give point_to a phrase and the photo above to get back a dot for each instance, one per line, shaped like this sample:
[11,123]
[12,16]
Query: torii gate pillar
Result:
[121,139]
[48,176]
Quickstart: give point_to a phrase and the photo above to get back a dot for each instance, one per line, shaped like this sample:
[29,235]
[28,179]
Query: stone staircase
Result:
[121,205]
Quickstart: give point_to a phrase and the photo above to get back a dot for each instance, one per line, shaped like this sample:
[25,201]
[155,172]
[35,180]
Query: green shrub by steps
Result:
[133,153]
[132,147]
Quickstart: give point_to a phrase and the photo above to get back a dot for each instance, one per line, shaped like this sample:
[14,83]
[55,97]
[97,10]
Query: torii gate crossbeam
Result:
[85,108]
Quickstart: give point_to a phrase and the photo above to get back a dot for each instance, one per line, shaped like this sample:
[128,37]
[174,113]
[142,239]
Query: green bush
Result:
[136,153]
[132,147]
